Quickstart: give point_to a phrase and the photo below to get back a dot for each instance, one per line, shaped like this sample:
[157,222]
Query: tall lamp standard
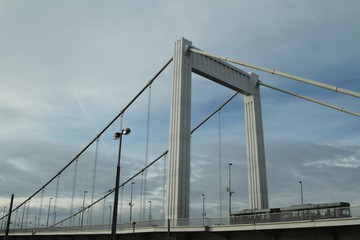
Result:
[150,217]
[47,221]
[301,193]
[83,206]
[203,208]
[117,135]
[229,189]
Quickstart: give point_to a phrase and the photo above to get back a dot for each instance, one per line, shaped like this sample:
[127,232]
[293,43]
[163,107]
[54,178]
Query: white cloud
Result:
[350,162]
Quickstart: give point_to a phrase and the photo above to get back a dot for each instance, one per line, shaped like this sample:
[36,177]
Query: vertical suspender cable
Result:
[16,214]
[220,184]
[78,226]
[73,191]
[103,213]
[141,195]
[121,121]
[94,178]
[146,152]
[164,186]
[144,174]
[56,196]
[40,209]
[88,215]
[27,215]
[23,215]
[122,190]
[121,203]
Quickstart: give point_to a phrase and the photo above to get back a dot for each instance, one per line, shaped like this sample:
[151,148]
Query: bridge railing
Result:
[327,214]
[298,215]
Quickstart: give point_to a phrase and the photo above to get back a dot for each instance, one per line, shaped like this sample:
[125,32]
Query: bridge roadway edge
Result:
[343,229]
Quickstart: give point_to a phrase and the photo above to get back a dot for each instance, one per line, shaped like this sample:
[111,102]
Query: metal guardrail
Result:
[327,214]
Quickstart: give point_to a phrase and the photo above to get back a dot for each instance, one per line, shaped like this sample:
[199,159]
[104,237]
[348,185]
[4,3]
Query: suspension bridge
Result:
[154,197]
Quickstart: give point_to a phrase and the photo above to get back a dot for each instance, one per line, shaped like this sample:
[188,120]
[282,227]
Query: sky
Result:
[67,68]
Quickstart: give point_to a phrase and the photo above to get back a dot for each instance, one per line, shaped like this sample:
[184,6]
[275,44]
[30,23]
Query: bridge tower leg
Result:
[257,179]
[178,181]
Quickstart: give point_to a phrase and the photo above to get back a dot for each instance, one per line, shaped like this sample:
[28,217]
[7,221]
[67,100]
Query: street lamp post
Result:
[150,217]
[203,208]
[117,135]
[301,193]
[83,207]
[133,223]
[229,189]
[130,203]
[47,221]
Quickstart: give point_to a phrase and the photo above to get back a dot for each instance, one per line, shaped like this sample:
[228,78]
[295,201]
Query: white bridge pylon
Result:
[178,182]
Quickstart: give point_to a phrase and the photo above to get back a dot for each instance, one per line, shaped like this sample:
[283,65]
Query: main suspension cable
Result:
[311,100]
[286,75]
[213,113]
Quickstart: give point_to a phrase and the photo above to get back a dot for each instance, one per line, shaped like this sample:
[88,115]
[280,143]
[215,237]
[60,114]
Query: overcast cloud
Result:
[68,67]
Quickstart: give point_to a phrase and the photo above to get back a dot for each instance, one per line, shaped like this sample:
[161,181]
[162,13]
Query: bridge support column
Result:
[258,193]
[178,177]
